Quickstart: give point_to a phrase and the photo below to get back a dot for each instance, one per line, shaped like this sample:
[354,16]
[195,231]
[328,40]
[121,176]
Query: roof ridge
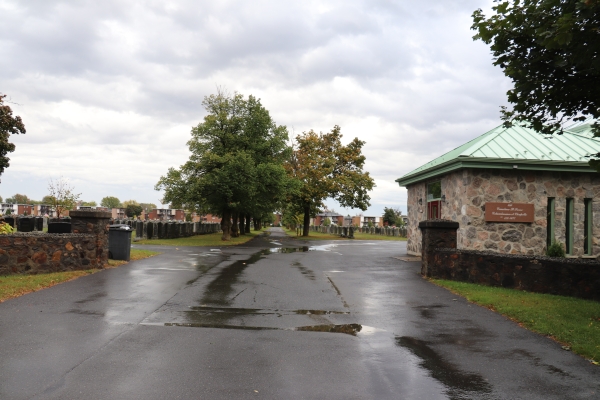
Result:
[482,140]
[579,134]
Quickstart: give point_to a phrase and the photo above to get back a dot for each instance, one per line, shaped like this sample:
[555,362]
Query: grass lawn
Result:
[18,285]
[213,239]
[328,236]
[135,254]
[573,322]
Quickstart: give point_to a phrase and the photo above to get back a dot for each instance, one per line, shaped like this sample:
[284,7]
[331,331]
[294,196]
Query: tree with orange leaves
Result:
[327,169]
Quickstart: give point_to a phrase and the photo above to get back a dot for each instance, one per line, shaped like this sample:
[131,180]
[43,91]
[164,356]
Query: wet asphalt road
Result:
[274,319]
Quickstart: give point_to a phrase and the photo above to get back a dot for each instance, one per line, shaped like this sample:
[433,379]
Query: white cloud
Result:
[109,90]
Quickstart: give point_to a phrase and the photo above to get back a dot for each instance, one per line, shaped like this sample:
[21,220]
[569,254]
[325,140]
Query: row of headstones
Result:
[343,231]
[169,229]
[27,224]
[384,231]
[374,230]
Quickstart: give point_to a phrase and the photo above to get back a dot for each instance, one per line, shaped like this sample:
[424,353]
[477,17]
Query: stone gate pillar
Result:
[436,233]
[95,223]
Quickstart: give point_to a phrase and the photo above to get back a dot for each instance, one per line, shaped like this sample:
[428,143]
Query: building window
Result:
[434,191]
[434,194]
[587,227]
[550,222]
[569,226]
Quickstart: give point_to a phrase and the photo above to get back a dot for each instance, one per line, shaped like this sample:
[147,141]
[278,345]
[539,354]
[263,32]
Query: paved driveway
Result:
[277,318]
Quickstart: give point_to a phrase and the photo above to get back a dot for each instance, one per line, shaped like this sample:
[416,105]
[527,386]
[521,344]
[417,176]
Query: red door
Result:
[434,209]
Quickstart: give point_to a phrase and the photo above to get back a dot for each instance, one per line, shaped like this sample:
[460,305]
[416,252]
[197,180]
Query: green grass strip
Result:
[357,236]
[135,254]
[213,239]
[18,285]
[573,322]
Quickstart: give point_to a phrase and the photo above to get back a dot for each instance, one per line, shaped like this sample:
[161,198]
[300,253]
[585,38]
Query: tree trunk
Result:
[257,224]
[306,220]
[235,228]
[226,226]
[247,223]
[242,226]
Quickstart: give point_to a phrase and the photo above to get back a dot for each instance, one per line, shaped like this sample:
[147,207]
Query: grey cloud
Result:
[411,67]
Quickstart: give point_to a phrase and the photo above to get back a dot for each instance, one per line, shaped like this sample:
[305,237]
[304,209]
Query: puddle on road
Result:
[305,271]
[92,298]
[220,289]
[86,312]
[430,311]
[287,250]
[521,354]
[220,293]
[207,310]
[459,384]
[303,249]
[348,329]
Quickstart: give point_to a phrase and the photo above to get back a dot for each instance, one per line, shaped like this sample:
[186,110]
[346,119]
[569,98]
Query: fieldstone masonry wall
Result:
[34,252]
[42,252]
[436,234]
[560,276]
[467,191]
[95,223]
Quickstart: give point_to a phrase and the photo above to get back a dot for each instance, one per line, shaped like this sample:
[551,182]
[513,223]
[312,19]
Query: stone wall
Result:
[468,190]
[86,247]
[43,252]
[560,276]
[435,233]
[94,223]
[416,213]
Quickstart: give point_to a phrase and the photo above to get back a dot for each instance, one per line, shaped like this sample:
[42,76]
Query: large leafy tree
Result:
[236,163]
[551,51]
[133,210]
[110,202]
[327,169]
[392,216]
[9,125]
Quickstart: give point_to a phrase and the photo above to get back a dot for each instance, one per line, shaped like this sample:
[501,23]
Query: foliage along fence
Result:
[375,230]
[168,229]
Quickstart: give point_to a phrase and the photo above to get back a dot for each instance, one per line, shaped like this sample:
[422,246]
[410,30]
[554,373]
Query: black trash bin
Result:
[119,242]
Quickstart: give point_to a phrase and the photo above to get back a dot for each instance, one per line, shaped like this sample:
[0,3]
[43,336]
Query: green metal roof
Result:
[518,146]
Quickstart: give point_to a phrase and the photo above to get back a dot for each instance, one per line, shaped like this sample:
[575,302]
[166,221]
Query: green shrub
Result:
[555,250]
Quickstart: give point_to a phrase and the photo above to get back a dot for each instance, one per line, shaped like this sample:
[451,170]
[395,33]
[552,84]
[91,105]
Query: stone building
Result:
[512,190]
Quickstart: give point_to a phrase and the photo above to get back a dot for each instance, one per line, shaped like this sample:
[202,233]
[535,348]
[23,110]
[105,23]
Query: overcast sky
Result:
[109,90]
